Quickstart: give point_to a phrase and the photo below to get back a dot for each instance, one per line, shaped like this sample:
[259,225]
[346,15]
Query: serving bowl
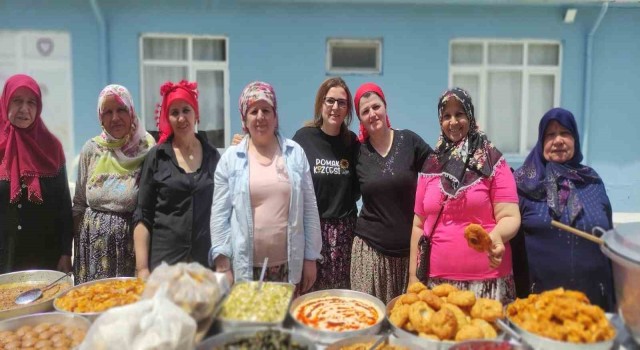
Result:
[218,341]
[368,339]
[91,316]
[487,345]
[31,278]
[538,342]
[53,318]
[328,336]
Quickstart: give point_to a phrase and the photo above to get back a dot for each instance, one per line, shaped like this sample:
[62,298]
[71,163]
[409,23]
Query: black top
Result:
[388,186]
[333,170]
[34,236]
[176,206]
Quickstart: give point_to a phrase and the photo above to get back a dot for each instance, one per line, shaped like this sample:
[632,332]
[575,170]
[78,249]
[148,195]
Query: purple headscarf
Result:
[538,179]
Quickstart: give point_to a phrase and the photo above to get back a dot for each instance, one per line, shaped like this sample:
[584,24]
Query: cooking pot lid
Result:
[624,240]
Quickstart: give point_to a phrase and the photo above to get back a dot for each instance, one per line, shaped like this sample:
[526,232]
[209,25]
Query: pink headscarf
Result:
[254,92]
[28,154]
[170,92]
[363,89]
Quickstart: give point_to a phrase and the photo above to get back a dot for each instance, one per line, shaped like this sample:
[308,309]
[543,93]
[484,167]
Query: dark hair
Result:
[317,111]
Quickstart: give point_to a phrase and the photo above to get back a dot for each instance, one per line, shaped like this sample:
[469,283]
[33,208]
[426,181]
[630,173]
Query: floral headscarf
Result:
[449,159]
[124,155]
[170,92]
[28,154]
[254,92]
[552,182]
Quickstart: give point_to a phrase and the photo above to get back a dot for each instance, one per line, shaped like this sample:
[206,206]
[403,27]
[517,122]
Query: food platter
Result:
[33,278]
[368,340]
[65,320]
[218,341]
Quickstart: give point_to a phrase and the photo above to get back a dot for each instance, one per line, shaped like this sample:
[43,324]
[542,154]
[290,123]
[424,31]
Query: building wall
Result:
[284,44]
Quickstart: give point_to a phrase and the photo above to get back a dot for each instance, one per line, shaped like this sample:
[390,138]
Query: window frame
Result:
[362,42]
[192,66]
[482,70]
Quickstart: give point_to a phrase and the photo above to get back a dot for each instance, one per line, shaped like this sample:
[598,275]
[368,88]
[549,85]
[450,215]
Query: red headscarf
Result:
[26,155]
[363,89]
[170,92]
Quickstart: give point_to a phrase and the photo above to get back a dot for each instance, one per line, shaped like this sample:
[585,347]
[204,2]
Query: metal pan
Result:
[368,339]
[220,340]
[32,277]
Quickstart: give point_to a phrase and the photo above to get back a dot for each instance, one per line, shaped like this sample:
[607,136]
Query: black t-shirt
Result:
[388,186]
[176,206]
[333,170]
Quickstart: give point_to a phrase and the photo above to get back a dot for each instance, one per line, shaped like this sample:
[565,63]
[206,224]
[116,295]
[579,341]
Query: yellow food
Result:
[42,336]
[10,291]
[101,296]
[477,238]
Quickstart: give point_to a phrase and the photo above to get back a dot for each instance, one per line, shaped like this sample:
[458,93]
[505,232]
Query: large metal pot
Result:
[622,246]
[32,277]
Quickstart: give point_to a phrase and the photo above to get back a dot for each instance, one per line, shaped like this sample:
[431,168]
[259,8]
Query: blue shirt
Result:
[231,215]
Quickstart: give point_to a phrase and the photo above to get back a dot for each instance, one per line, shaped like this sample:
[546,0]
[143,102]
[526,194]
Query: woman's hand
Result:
[143,274]
[237,138]
[64,264]
[309,270]
[496,251]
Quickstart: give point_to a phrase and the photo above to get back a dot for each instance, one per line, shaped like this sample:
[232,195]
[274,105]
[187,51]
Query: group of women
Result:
[290,205]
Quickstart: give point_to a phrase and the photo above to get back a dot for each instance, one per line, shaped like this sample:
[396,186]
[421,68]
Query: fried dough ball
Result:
[468,332]
[428,336]
[442,290]
[400,315]
[420,316]
[461,317]
[416,287]
[444,324]
[462,298]
[431,299]
[409,327]
[477,238]
[409,298]
[487,309]
[487,329]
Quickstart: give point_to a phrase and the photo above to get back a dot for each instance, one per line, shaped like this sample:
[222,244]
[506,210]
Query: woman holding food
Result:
[107,190]
[466,181]
[553,185]
[264,206]
[388,163]
[36,229]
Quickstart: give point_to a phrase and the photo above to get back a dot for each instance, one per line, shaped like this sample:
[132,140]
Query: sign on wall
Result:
[46,56]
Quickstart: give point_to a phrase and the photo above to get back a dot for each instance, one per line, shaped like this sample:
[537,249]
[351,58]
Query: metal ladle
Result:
[35,294]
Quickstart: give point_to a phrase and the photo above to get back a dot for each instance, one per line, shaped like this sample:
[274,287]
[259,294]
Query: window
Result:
[355,56]
[512,83]
[195,58]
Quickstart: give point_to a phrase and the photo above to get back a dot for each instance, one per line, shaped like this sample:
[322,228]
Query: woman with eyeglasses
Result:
[330,148]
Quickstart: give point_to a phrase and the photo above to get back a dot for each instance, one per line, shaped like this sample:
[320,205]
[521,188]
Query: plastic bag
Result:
[152,324]
[192,286]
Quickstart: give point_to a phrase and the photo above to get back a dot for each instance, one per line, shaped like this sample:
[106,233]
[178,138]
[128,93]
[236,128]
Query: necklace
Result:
[191,157]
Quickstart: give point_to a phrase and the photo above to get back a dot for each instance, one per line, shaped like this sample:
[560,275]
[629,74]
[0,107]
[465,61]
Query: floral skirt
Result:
[335,267]
[372,272]
[104,247]
[503,288]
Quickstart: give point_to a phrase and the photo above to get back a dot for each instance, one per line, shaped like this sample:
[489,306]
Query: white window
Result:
[45,56]
[354,56]
[512,84]
[203,59]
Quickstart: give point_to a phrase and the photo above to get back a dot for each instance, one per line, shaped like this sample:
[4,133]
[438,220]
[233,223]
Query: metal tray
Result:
[328,337]
[372,338]
[224,338]
[230,325]
[487,345]
[35,277]
[64,319]
[538,342]
[91,316]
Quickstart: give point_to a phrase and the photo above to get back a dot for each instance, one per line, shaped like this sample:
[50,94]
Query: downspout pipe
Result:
[103,34]
[588,77]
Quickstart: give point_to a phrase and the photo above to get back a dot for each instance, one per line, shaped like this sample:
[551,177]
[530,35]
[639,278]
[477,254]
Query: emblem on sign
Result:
[44,46]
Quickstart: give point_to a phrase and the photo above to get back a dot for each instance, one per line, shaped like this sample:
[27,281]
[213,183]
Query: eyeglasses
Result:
[330,101]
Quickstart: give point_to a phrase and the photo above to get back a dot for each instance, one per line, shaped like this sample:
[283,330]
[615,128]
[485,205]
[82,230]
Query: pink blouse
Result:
[451,257]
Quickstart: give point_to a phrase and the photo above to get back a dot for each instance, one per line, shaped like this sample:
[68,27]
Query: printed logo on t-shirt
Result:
[331,167]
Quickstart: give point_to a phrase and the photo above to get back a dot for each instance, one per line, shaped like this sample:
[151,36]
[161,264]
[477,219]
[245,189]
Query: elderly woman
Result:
[36,228]
[388,164]
[264,205]
[107,190]
[552,184]
[176,186]
[330,148]
[466,181]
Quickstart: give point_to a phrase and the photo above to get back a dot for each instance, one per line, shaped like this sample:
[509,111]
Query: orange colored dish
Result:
[101,296]
[338,314]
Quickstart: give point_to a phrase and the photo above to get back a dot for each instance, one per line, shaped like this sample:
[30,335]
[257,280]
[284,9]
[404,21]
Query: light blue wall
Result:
[284,44]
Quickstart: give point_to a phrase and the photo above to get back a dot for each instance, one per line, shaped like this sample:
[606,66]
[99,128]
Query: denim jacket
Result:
[231,214]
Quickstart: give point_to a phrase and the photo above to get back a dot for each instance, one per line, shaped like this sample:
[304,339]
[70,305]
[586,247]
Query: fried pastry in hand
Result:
[477,238]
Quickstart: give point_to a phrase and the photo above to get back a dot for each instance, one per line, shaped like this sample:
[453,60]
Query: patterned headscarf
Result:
[252,93]
[170,92]
[448,160]
[28,154]
[363,89]
[124,155]
[541,180]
